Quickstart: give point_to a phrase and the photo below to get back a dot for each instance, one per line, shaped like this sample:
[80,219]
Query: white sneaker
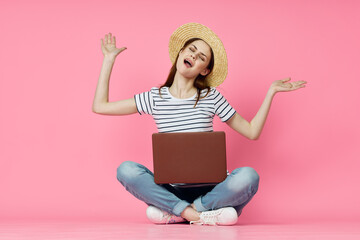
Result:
[222,216]
[159,216]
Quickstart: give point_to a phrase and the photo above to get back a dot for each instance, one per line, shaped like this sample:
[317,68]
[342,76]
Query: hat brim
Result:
[197,30]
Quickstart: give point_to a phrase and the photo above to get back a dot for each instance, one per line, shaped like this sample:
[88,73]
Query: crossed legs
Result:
[235,191]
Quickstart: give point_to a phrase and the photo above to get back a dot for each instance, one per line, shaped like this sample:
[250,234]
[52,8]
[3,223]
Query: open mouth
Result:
[187,63]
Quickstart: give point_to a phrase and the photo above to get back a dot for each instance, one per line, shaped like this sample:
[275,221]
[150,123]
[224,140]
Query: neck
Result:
[182,87]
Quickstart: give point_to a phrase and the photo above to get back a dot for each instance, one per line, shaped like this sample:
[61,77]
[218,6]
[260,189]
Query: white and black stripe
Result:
[179,115]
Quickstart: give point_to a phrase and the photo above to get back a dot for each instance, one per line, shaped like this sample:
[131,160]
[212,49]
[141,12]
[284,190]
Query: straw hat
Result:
[197,30]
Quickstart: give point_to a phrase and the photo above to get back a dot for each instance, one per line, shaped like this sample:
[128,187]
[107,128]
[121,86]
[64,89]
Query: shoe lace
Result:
[208,218]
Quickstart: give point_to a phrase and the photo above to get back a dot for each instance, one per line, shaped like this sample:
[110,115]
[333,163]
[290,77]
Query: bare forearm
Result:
[102,89]
[257,123]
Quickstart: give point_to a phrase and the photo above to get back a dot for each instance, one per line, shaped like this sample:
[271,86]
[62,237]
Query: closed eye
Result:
[194,51]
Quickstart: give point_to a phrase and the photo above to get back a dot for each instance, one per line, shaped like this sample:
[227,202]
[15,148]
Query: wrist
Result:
[109,59]
[271,91]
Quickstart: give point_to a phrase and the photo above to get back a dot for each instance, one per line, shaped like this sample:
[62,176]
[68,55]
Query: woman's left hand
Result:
[285,86]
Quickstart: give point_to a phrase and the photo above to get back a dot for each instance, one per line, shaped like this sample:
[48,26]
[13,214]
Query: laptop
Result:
[189,157]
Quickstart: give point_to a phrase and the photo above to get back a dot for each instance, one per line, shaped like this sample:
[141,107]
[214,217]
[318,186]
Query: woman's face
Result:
[194,59]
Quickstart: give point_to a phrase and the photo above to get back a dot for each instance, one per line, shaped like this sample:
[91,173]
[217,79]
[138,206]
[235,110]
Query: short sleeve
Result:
[222,108]
[144,102]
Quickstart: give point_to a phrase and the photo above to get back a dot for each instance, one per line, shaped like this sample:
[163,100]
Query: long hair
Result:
[200,82]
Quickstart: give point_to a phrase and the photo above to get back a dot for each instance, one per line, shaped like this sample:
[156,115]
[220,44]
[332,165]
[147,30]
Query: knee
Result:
[251,175]
[127,171]
[245,176]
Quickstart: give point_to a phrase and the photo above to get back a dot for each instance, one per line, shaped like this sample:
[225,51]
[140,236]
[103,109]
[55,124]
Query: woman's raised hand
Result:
[108,47]
[283,85]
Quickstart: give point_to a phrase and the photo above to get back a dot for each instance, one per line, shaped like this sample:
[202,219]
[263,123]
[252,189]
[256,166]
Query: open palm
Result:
[284,86]
[108,47]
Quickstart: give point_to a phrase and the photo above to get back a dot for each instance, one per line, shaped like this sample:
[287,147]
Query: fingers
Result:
[285,86]
[286,79]
[108,39]
[285,83]
[299,84]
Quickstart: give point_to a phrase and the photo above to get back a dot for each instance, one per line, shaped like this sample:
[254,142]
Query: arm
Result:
[239,124]
[101,102]
[257,123]
[253,129]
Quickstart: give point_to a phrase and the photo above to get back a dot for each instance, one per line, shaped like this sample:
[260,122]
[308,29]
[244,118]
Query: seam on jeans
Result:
[178,207]
[202,208]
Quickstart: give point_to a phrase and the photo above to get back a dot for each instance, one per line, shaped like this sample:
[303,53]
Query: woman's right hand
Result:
[109,47]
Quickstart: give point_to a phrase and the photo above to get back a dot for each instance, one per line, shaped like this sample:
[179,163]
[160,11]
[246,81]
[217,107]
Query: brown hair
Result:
[200,82]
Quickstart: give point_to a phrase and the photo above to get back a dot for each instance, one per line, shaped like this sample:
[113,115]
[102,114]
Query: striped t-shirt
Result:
[179,115]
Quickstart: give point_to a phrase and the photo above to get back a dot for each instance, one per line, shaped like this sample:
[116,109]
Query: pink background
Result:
[59,159]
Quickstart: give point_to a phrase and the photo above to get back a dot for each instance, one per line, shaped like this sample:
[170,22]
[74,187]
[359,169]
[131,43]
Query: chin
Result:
[185,74]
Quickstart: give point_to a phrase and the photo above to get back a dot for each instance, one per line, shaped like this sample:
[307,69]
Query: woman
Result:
[188,102]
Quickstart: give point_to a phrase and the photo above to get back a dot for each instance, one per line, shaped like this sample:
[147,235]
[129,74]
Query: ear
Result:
[205,72]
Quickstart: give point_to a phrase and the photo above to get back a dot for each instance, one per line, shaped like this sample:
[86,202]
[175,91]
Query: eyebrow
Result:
[196,49]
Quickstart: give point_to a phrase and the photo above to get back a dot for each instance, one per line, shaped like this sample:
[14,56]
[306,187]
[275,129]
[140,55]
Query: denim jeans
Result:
[235,191]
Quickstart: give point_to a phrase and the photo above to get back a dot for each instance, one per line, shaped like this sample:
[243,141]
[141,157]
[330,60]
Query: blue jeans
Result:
[235,191]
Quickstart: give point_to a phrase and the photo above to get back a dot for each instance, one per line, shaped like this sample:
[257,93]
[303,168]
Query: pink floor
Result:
[143,230]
